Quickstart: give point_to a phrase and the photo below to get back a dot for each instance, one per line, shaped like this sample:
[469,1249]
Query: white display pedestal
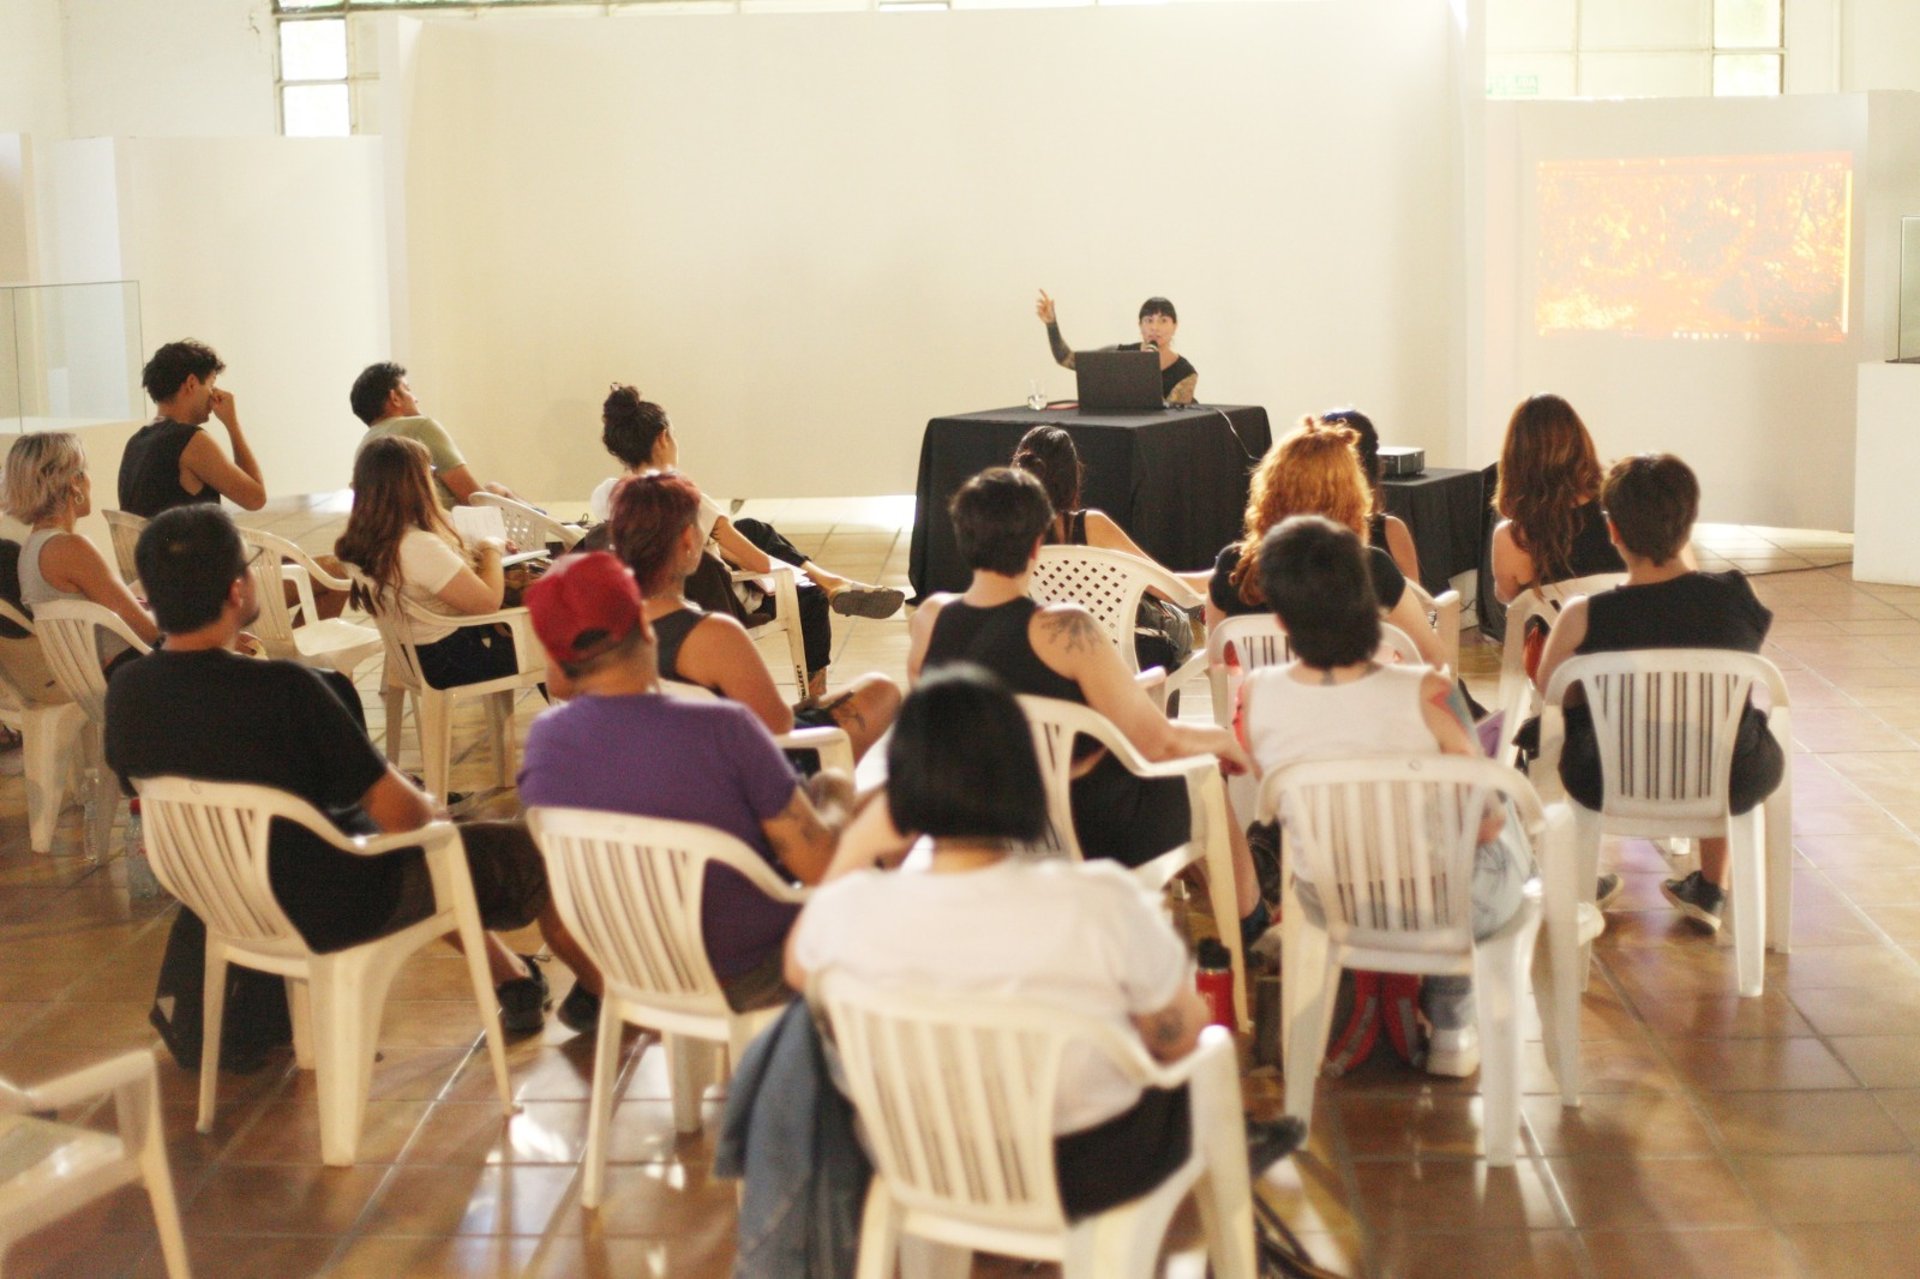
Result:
[1886,476]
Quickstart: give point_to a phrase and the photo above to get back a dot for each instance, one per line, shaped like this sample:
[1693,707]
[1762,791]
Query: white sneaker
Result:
[1453,1053]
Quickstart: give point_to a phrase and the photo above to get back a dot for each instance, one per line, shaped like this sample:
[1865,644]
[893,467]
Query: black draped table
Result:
[1443,509]
[1176,480]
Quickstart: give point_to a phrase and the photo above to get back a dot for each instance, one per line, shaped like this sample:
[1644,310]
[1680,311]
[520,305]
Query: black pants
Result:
[471,655]
[1106,1165]
[1129,819]
[816,614]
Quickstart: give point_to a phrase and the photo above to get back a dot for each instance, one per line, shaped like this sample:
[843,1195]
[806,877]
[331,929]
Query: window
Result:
[1634,48]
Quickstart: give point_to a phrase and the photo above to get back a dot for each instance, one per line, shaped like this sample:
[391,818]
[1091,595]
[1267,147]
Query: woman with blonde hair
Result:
[1551,526]
[48,489]
[403,546]
[1313,470]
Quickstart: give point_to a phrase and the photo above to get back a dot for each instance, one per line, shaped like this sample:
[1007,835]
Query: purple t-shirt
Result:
[653,756]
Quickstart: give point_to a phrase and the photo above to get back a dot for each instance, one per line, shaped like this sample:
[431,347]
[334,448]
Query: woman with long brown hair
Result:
[656,530]
[1313,470]
[1551,526]
[403,546]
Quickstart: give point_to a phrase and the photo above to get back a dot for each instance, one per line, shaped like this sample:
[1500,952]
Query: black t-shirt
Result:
[217,716]
[150,470]
[1694,610]
[1389,583]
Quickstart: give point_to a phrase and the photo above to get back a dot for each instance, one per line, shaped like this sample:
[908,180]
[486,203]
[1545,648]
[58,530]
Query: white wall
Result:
[33,95]
[170,68]
[1769,426]
[807,234]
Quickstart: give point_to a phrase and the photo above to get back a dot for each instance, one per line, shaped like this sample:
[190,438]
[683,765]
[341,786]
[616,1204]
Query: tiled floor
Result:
[1719,1136]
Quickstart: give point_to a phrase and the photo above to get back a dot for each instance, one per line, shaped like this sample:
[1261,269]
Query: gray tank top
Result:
[35,590]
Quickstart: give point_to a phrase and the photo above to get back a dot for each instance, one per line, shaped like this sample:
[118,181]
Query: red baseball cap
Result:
[583,604]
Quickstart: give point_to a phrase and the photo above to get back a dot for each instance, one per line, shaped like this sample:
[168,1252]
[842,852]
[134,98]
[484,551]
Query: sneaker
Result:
[1697,899]
[1606,889]
[1453,1053]
[524,1000]
[580,1010]
[858,600]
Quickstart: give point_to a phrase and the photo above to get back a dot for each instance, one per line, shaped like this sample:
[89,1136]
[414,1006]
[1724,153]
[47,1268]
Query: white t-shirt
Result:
[1082,936]
[599,507]
[427,563]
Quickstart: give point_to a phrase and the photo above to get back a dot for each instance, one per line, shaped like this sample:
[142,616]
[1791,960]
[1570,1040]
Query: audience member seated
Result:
[382,399]
[1386,532]
[1000,520]
[621,746]
[172,461]
[1163,633]
[986,919]
[48,489]
[656,531]
[1334,701]
[1551,526]
[1313,470]
[403,546]
[1650,503]
[637,432]
[197,709]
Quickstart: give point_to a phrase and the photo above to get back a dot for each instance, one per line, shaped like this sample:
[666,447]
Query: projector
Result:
[1396,461]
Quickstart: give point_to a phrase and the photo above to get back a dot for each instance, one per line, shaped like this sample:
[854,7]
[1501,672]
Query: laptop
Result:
[1119,381]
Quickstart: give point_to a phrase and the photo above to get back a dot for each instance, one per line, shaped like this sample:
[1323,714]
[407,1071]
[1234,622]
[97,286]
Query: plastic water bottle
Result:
[1213,978]
[142,885]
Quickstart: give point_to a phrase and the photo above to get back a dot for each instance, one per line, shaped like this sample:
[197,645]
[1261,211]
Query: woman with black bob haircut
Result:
[982,919]
[1387,532]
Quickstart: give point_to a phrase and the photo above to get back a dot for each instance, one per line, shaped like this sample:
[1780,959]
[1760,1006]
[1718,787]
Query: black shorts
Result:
[1123,1158]
[509,879]
[1131,820]
[1758,764]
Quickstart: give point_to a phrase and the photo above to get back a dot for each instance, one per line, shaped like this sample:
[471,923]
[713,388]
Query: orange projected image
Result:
[1751,248]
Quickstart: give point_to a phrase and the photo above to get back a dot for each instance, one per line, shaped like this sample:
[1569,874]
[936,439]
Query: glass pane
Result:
[1529,24]
[9,371]
[79,354]
[1746,24]
[315,111]
[285,6]
[314,50]
[1645,75]
[1746,75]
[1646,24]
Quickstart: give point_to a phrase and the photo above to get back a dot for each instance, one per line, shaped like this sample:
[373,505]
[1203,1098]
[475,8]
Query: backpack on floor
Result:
[254,1023]
[1375,1002]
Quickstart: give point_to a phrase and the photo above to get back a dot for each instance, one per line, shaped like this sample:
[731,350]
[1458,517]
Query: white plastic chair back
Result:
[69,637]
[274,625]
[26,681]
[1257,640]
[330,642]
[208,844]
[1110,585]
[1665,721]
[1517,695]
[528,527]
[833,745]
[124,530]
[1443,612]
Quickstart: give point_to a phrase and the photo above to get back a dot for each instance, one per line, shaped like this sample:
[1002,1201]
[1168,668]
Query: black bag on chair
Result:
[254,1023]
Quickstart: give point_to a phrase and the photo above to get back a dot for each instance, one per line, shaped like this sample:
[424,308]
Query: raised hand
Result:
[1044,308]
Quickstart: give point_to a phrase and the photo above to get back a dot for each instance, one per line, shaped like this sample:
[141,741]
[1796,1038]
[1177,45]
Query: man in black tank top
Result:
[173,462]
[1000,519]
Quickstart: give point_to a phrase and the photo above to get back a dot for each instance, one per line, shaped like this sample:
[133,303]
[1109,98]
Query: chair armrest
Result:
[302,580]
[835,747]
[93,1081]
[1216,1043]
[434,835]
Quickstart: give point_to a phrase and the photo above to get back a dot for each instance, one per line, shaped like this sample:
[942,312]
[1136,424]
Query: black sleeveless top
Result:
[1591,552]
[1694,610]
[669,633]
[1171,376]
[996,638]
[1076,529]
[150,470]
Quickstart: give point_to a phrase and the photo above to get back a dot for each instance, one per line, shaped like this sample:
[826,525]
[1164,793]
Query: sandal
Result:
[876,602]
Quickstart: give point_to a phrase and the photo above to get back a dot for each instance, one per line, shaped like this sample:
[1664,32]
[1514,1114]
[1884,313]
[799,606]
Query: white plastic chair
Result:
[208,842]
[1665,720]
[956,1097]
[781,585]
[1388,843]
[51,725]
[330,643]
[1055,724]
[1110,585]
[69,638]
[1519,700]
[433,708]
[1258,640]
[833,744]
[528,527]
[630,890]
[49,1169]
[124,530]
[1443,612]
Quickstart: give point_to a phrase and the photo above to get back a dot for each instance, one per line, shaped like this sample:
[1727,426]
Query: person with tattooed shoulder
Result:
[1000,519]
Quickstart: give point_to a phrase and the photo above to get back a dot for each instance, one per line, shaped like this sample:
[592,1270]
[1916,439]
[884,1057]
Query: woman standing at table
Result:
[1158,324]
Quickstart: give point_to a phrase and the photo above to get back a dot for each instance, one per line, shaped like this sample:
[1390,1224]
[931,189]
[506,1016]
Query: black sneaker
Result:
[580,1010]
[1697,899]
[1607,889]
[524,1000]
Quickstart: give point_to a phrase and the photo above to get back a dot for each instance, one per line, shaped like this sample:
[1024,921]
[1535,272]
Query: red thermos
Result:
[1214,981]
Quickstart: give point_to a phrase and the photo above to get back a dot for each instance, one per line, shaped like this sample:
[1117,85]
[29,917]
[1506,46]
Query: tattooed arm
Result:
[802,838]
[1451,724]
[1171,1033]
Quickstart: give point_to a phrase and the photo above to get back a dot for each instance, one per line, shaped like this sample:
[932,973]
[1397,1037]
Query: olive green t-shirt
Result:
[445,454]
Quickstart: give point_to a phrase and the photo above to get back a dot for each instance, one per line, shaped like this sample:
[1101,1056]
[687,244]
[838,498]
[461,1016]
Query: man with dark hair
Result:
[1000,518]
[198,709]
[621,745]
[171,461]
[1650,503]
[382,399]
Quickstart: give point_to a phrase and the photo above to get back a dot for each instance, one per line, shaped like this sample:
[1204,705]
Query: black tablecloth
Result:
[1176,480]
[1444,509]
